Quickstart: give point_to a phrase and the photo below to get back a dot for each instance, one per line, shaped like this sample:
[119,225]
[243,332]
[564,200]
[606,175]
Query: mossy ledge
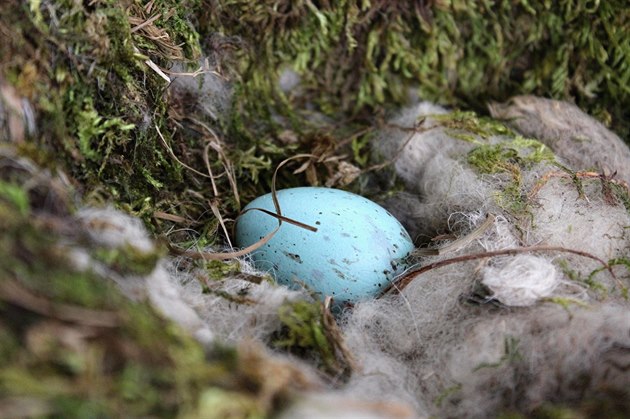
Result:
[94,74]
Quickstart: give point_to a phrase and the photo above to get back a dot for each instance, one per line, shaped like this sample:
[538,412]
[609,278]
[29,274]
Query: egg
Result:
[357,250]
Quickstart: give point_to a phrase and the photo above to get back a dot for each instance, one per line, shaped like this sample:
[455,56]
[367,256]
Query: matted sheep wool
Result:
[541,321]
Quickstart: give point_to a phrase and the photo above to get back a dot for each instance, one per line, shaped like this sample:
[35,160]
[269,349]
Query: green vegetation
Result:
[355,54]
[94,75]
[511,354]
[74,346]
[510,158]
[108,117]
[306,332]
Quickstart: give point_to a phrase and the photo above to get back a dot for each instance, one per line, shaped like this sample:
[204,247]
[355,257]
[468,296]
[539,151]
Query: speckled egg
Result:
[355,253]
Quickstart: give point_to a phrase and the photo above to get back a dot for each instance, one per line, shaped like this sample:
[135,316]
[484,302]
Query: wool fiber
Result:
[257,318]
[203,90]
[521,280]
[511,333]
[475,338]
[177,292]
[577,138]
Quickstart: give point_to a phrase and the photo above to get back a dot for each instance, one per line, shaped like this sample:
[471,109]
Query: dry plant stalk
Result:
[14,293]
[278,215]
[407,278]
[577,175]
[335,336]
[146,27]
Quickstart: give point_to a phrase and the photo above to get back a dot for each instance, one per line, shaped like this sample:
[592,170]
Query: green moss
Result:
[465,125]
[216,403]
[589,280]
[128,259]
[304,334]
[75,347]
[355,55]
[98,103]
[218,269]
[566,302]
[511,354]
[509,158]
[622,287]
[619,192]
[446,394]
[14,195]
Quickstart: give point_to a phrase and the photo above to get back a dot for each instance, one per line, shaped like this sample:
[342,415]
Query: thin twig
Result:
[405,280]
[206,160]
[215,210]
[146,23]
[170,151]
[412,132]
[459,243]
[278,215]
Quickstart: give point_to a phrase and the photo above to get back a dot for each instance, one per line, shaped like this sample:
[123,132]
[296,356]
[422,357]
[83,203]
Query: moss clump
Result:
[354,55]
[467,126]
[74,346]
[511,355]
[505,157]
[127,259]
[99,105]
[218,269]
[14,196]
[510,158]
[307,332]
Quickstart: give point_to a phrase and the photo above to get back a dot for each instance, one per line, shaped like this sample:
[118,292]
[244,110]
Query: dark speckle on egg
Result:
[340,274]
[293,256]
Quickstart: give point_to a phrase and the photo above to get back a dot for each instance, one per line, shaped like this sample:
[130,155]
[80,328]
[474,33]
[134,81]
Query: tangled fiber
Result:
[547,327]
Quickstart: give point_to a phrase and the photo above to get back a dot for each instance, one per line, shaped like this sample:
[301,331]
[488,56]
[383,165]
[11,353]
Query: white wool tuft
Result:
[164,294]
[289,80]
[521,280]
[112,228]
[232,322]
[500,236]
[334,405]
[592,224]
[177,294]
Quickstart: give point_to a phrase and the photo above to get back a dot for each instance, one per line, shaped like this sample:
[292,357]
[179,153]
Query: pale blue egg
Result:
[355,253]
